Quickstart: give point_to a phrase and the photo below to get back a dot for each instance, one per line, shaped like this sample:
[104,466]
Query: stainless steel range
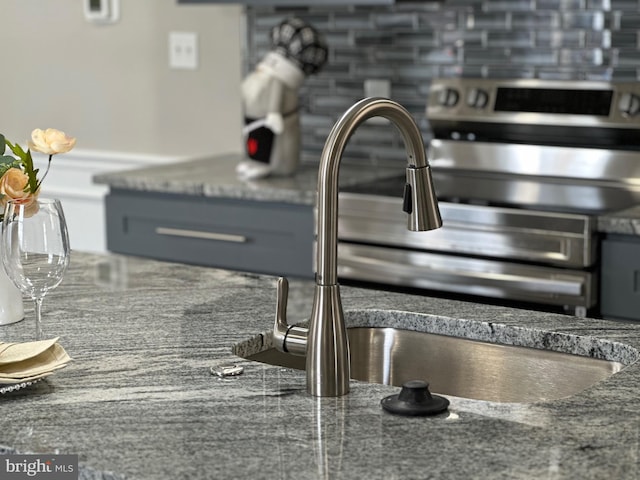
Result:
[522,169]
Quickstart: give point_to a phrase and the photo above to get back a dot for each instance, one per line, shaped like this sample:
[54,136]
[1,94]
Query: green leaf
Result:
[16,149]
[7,159]
[32,173]
[2,142]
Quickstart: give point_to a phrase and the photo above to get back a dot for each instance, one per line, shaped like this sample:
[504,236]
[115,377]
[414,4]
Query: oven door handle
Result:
[522,282]
[367,267]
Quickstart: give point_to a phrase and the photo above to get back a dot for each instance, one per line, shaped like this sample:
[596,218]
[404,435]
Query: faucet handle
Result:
[282,295]
[287,338]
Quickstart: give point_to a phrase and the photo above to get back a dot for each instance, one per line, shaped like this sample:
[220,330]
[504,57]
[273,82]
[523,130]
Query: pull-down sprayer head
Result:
[419,200]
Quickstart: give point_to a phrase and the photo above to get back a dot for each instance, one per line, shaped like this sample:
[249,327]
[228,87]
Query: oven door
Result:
[472,276]
[495,252]
[551,238]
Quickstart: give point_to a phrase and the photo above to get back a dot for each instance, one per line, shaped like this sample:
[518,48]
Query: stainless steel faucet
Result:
[325,342]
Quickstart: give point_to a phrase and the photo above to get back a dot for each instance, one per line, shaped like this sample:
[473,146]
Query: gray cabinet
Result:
[620,277]
[261,237]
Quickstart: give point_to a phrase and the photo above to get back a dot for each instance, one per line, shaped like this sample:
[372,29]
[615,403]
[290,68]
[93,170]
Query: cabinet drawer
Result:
[620,278]
[261,237]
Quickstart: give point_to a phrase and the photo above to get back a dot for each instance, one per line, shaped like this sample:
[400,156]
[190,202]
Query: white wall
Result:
[111,87]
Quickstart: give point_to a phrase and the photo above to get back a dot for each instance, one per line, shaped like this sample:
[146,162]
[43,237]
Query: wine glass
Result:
[35,248]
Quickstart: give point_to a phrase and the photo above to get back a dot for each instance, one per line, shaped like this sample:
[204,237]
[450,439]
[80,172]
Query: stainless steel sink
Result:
[462,367]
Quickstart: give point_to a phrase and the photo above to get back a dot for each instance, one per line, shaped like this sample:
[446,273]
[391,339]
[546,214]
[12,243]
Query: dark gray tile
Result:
[413,41]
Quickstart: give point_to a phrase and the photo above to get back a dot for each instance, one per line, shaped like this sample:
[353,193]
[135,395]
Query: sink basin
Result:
[465,368]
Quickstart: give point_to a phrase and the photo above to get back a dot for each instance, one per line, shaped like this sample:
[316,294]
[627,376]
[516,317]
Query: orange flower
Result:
[20,182]
[12,187]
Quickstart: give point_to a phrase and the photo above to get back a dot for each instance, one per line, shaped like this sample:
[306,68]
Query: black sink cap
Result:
[415,399]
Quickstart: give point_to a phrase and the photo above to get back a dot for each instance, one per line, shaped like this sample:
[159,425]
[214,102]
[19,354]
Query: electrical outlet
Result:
[377,88]
[183,50]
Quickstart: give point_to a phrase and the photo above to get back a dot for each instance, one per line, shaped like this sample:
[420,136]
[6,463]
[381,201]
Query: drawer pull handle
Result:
[178,232]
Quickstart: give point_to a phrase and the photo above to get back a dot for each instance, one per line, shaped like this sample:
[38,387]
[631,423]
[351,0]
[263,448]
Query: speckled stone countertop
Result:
[215,177]
[626,222]
[139,402]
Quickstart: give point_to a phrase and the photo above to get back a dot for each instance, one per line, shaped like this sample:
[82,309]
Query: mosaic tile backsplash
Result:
[410,43]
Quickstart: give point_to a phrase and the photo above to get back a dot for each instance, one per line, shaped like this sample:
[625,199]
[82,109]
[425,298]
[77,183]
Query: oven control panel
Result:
[542,112]
[547,102]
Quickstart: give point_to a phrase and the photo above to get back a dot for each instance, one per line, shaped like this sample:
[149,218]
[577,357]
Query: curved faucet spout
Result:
[419,196]
[325,342]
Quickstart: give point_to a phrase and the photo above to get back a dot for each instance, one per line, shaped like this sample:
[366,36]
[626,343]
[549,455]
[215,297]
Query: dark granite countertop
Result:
[215,177]
[139,400]
[626,222]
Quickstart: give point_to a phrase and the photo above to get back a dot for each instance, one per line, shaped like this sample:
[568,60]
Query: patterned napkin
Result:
[29,361]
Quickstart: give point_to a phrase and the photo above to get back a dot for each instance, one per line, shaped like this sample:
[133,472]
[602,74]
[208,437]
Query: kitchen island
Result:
[139,400]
